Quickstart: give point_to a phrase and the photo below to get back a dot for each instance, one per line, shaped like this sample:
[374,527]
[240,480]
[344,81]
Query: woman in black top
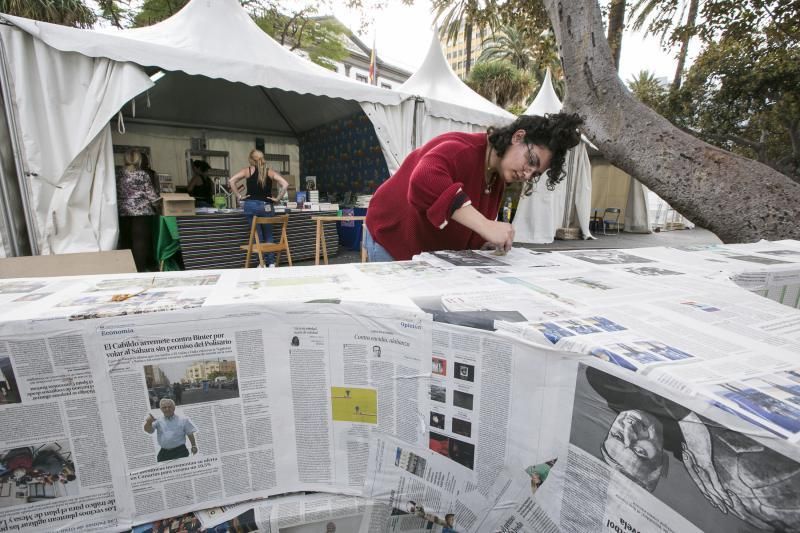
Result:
[200,186]
[257,199]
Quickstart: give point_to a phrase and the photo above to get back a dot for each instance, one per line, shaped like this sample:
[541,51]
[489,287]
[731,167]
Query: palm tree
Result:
[65,12]
[511,44]
[501,82]
[647,89]
[665,18]
[453,15]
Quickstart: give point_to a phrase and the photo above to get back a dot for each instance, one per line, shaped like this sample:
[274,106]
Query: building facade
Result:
[356,65]
[456,51]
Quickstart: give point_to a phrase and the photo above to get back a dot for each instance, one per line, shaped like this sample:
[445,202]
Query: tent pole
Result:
[280,111]
[156,122]
[415,135]
[23,191]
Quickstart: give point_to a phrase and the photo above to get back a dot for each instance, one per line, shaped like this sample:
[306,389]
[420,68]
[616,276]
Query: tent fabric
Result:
[541,214]
[97,71]
[637,219]
[394,127]
[62,104]
[213,38]
[447,97]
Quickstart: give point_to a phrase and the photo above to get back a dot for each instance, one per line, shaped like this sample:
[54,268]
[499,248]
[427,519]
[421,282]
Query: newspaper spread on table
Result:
[623,390]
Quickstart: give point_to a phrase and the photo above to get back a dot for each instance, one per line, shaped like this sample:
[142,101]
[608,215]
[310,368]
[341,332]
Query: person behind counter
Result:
[135,199]
[257,200]
[461,177]
[200,187]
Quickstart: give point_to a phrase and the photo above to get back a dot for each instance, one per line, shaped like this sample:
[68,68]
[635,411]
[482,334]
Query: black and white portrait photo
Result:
[717,478]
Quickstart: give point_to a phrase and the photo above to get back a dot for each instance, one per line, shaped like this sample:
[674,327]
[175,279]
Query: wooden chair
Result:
[320,241]
[261,248]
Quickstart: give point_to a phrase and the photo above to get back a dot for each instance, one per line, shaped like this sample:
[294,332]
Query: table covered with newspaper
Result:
[655,389]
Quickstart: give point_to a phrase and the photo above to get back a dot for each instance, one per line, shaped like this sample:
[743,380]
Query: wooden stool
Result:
[321,235]
[255,244]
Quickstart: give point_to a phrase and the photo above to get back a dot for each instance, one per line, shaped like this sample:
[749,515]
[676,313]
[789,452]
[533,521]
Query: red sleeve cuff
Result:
[439,212]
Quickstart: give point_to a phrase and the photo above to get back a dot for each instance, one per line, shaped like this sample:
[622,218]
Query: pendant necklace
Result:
[491,174]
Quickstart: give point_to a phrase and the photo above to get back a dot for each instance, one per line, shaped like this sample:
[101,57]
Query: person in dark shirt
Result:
[200,186]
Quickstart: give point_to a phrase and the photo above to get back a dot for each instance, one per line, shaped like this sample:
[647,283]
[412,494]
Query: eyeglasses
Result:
[533,163]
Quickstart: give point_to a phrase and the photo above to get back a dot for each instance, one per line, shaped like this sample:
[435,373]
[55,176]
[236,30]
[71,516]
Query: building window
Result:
[386,86]
[362,78]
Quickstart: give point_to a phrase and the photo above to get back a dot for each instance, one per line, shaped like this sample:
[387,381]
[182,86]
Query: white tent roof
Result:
[216,39]
[447,96]
[540,215]
[546,100]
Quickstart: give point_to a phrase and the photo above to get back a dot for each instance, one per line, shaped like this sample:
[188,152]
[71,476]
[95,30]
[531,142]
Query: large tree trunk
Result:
[739,199]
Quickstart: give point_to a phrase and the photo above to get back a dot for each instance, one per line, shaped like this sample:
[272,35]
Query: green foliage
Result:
[153,11]
[648,90]
[324,43]
[321,37]
[509,43]
[742,94]
[65,12]
[501,82]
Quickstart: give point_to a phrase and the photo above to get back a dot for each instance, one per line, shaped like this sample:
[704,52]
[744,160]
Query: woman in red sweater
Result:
[446,194]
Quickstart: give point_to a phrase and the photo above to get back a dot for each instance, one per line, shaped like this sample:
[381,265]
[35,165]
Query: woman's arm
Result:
[234,181]
[282,183]
[499,234]
[196,181]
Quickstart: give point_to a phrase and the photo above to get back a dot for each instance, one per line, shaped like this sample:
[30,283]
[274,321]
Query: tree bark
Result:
[616,24]
[738,199]
[468,45]
[688,33]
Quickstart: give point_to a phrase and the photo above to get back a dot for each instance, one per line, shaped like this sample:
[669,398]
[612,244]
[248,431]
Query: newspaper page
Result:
[323,513]
[104,296]
[469,406]
[543,385]
[247,520]
[229,377]
[379,381]
[640,460]
[421,490]
[189,395]
[16,295]
[308,284]
[56,468]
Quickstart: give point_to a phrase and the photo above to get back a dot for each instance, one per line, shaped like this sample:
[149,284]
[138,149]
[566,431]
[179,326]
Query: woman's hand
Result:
[498,234]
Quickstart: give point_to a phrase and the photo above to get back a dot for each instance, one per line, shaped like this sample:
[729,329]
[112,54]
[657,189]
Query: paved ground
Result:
[683,237]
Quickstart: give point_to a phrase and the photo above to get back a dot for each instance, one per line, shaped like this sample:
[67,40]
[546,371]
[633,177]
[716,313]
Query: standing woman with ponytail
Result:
[257,199]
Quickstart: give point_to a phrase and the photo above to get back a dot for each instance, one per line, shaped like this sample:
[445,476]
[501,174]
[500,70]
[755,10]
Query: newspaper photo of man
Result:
[171,430]
[715,477]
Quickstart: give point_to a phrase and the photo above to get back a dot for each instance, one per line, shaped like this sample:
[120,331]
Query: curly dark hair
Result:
[557,132]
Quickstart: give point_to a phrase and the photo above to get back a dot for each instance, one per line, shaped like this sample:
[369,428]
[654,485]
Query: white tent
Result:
[449,102]
[65,84]
[539,215]
[443,103]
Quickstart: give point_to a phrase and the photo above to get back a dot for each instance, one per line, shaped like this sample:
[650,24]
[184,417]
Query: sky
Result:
[403,34]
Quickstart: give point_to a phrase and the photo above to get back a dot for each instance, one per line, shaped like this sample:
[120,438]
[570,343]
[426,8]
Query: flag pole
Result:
[373,60]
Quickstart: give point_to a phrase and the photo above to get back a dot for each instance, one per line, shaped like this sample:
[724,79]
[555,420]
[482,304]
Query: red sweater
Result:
[410,212]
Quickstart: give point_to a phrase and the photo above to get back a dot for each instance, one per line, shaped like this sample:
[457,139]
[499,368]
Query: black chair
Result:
[611,221]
